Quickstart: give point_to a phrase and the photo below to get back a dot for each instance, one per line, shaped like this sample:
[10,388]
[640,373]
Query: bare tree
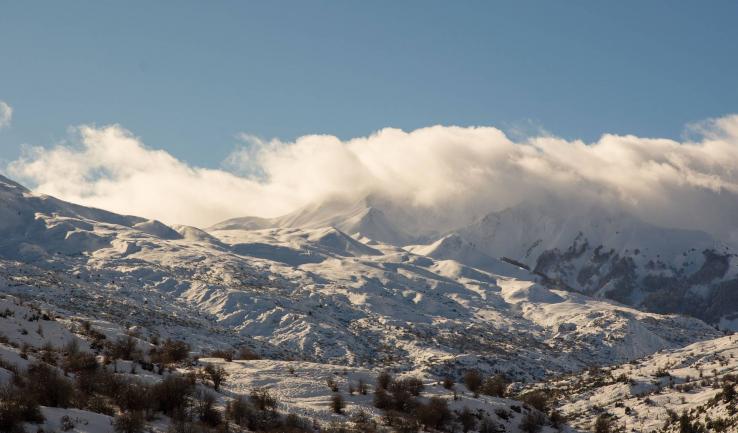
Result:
[217,375]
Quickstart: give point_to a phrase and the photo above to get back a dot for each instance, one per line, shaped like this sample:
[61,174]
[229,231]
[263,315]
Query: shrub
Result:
[532,422]
[17,407]
[400,422]
[412,385]
[363,421]
[473,381]
[495,386]
[123,348]
[98,404]
[382,400]
[48,354]
[246,354]
[226,355]
[129,422]
[133,396]
[170,352]
[238,410]
[384,380]
[184,425]
[171,395]
[86,383]
[362,387]
[263,399]
[467,419]
[487,425]
[399,397]
[434,414]
[80,361]
[337,403]
[537,399]
[503,413]
[557,419]
[46,386]
[215,374]
[332,384]
[66,423]
[728,392]
[603,424]
[205,409]
[448,382]
[294,424]
[101,381]
[402,400]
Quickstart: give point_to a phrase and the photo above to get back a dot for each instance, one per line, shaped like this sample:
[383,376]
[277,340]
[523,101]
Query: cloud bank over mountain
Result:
[462,171]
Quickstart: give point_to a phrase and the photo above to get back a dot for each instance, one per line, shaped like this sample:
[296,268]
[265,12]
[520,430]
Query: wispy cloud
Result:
[692,183]
[6,114]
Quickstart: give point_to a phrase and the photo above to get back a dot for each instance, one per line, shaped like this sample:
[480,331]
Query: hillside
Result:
[686,389]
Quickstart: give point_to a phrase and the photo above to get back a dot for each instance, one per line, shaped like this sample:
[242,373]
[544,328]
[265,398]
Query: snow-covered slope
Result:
[34,337]
[660,392]
[35,225]
[527,230]
[301,388]
[454,247]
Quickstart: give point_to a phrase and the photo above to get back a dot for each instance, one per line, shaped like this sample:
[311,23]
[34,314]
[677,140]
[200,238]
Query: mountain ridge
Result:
[574,244]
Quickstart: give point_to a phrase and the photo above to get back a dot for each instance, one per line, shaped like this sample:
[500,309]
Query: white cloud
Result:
[6,114]
[458,171]
[111,169]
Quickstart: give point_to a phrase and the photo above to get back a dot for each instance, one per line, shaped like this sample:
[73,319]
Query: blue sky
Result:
[188,76]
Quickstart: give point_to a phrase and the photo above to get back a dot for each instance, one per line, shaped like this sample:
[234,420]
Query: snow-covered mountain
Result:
[317,293]
[570,244]
[320,298]
[592,249]
[362,218]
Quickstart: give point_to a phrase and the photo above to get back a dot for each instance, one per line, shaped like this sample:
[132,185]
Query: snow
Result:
[644,399]
[332,289]
[321,295]
[454,247]
[301,388]
[582,246]
[83,421]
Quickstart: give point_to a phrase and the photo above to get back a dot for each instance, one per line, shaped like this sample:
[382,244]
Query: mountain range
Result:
[569,244]
[534,292]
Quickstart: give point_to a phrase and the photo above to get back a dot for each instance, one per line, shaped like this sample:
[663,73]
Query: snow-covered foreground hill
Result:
[671,391]
[660,392]
[42,349]
[302,388]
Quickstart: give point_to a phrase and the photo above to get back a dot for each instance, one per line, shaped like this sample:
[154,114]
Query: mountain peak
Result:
[363,216]
[10,185]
